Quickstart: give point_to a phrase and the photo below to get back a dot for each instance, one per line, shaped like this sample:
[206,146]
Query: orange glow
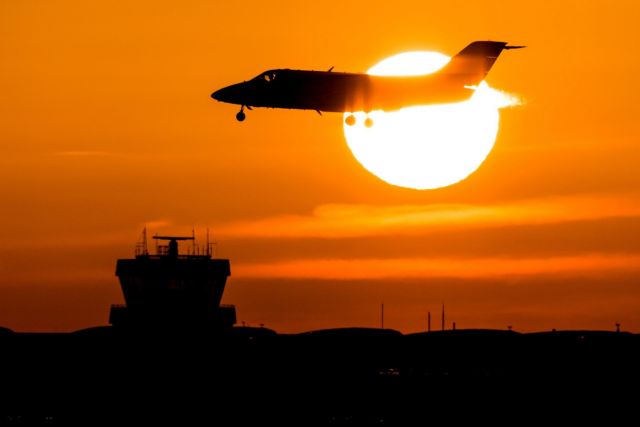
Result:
[107,125]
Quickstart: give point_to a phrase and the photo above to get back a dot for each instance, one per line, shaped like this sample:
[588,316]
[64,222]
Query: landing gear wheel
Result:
[240,116]
[368,122]
[350,120]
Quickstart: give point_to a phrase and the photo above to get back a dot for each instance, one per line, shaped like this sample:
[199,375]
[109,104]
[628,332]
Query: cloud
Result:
[416,268]
[87,153]
[347,221]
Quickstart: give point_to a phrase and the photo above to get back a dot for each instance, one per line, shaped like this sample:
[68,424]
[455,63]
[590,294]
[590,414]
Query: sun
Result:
[426,147]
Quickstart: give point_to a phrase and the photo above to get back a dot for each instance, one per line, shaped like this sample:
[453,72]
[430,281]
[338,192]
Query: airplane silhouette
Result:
[330,91]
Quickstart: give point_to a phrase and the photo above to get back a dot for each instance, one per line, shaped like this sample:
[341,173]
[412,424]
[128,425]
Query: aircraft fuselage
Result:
[342,92]
[350,92]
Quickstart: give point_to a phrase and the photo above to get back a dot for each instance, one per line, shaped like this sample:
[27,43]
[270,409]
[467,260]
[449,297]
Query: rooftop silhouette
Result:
[173,354]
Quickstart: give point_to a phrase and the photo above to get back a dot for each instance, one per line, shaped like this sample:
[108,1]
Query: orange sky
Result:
[106,124]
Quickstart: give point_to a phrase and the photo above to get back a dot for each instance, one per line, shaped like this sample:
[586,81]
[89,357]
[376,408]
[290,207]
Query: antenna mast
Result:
[208,244]
[141,245]
[145,249]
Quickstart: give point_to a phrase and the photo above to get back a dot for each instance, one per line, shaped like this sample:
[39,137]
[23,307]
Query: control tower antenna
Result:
[141,245]
[145,249]
[172,248]
[208,244]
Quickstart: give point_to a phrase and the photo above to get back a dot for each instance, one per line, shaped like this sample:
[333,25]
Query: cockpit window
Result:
[269,76]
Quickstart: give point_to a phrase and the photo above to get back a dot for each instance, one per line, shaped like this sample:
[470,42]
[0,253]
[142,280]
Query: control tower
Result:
[170,290]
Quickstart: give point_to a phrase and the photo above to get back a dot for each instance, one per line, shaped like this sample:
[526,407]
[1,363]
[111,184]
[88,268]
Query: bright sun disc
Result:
[426,147]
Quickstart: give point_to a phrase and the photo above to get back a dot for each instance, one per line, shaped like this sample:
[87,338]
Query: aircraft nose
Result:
[219,95]
[230,94]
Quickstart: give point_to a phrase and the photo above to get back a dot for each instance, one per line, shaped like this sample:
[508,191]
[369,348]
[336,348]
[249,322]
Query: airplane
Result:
[329,91]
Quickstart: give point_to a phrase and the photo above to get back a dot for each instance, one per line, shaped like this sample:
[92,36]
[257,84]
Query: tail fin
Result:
[475,60]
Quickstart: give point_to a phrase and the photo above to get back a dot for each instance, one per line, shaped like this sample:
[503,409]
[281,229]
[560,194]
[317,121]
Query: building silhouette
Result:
[173,290]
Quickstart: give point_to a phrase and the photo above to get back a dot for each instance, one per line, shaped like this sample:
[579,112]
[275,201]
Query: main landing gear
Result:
[368,122]
[350,120]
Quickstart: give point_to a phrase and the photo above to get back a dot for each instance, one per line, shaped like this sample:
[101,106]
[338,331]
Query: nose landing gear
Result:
[241,116]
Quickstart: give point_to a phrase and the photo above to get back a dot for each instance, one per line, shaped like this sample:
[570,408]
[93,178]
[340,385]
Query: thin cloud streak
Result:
[415,268]
[87,153]
[344,221]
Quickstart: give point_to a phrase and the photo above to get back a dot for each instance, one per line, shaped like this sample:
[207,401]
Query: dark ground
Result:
[335,377]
